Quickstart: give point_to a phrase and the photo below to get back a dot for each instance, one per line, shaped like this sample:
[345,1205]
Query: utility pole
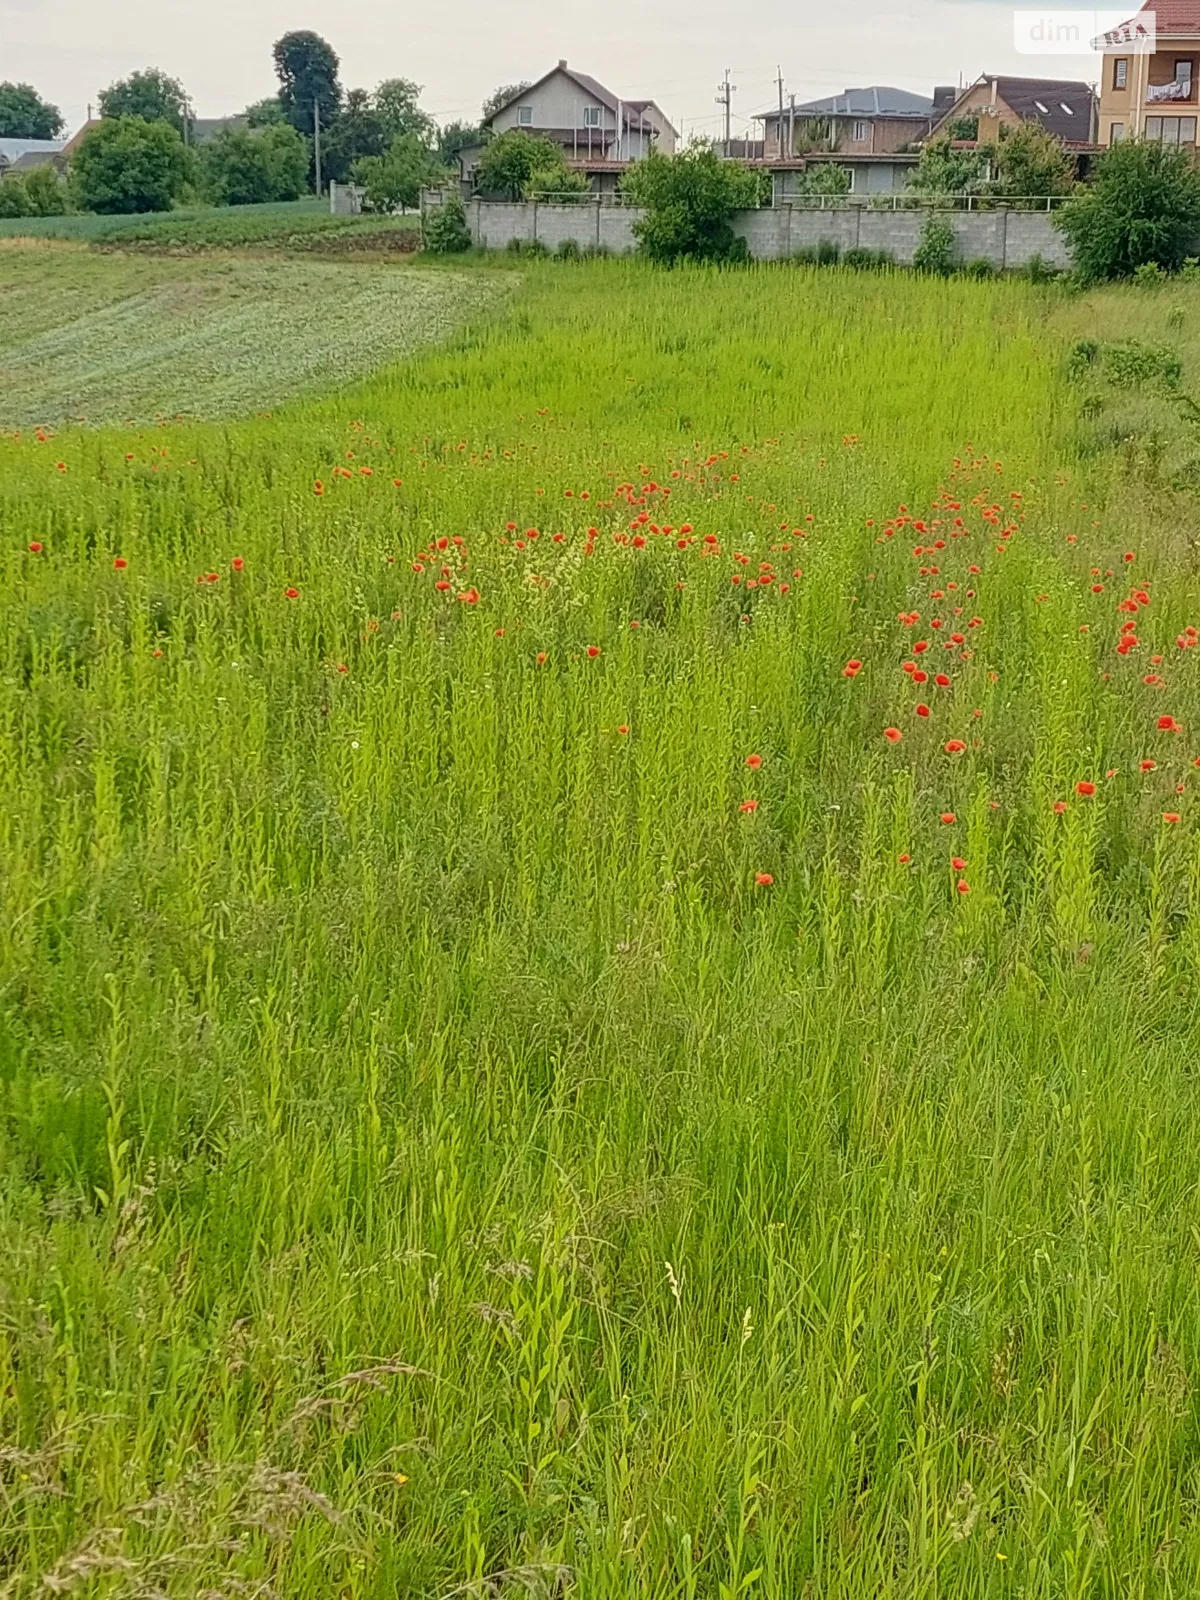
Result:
[792,129]
[779,125]
[317,143]
[725,93]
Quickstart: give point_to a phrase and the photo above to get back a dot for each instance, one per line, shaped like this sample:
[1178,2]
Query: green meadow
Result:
[543,1050]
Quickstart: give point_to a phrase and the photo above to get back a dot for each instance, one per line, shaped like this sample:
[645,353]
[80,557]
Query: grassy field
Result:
[544,1050]
[129,338]
[292,225]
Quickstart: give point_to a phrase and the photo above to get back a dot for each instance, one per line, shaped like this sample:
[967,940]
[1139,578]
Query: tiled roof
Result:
[1174,16]
[1062,106]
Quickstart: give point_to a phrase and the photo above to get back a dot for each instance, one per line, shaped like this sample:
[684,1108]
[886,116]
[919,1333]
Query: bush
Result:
[560,183]
[1038,270]
[568,250]
[1149,275]
[14,197]
[980,267]
[863,260]
[47,192]
[937,249]
[1189,272]
[513,159]
[446,231]
[126,164]
[241,168]
[395,179]
[688,200]
[828,252]
[1143,207]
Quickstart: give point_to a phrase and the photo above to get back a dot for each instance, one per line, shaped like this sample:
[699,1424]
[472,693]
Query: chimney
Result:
[562,66]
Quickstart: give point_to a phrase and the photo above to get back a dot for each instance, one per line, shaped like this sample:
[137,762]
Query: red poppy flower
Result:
[120,563]
[893,735]
[541,658]
[1170,816]
[852,669]
[754,762]
[1169,725]
[238,563]
[923,711]
[958,863]
[1059,807]
[955,747]
[963,886]
[1148,766]
[904,859]
[292,594]
[623,728]
[748,805]
[948,817]
[593,651]
[764,880]
[1085,788]
[942,681]
[318,487]
[35,548]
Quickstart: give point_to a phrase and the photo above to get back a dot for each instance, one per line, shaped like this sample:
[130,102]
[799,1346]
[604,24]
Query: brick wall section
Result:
[1005,238]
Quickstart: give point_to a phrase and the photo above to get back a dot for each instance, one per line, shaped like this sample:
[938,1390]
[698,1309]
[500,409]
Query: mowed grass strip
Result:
[122,340]
[502,1091]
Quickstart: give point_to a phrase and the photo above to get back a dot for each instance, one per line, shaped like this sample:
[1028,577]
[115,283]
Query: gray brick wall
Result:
[1005,238]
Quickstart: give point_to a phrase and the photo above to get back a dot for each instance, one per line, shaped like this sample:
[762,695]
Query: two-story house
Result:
[858,122]
[1153,94]
[1062,106]
[593,125]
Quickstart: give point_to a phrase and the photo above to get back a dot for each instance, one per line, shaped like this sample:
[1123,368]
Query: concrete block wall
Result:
[1007,239]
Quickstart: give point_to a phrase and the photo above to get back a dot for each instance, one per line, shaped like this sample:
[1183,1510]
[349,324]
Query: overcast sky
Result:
[672,51]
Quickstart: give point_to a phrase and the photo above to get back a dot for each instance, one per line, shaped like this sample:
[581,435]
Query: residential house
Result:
[598,131]
[1146,95]
[1062,106]
[24,155]
[885,173]
[857,122]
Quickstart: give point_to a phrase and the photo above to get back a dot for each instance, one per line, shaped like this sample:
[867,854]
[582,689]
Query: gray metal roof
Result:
[877,101]
[14,149]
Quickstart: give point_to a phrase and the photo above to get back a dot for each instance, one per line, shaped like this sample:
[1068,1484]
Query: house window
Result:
[1116,133]
[1183,72]
[525,116]
[591,116]
[860,132]
[1120,72]
[1154,128]
[1171,130]
[1045,110]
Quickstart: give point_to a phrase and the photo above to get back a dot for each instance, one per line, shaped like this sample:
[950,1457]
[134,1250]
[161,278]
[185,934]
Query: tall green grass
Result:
[432,1162]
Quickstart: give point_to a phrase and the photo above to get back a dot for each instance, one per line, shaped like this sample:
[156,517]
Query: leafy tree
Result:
[1143,206]
[510,161]
[359,131]
[396,103]
[556,182]
[824,177]
[689,200]
[446,230]
[395,180]
[964,128]
[944,170]
[265,113]
[501,96]
[46,191]
[150,95]
[307,69]
[250,167]
[127,164]
[1031,162]
[14,197]
[25,115]
[456,137]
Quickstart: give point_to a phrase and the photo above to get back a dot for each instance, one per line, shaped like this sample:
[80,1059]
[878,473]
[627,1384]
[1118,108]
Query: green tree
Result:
[944,170]
[937,248]
[689,200]
[824,178]
[396,103]
[1142,207]
[151,95]
[127,164]
[47,192]
[25,115]
[556,182]
[501,96]
[359,131]
[394,180]
[511,159]
[250,167]
[307,69]
[14,197]
[266,113]
[1031,162]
